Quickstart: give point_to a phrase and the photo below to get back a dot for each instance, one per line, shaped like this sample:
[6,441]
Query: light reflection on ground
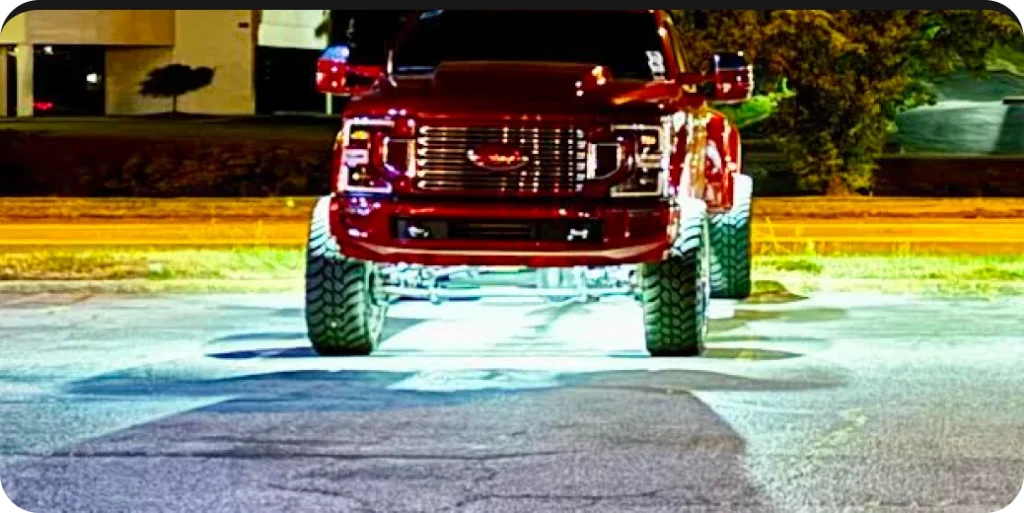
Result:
[510,344]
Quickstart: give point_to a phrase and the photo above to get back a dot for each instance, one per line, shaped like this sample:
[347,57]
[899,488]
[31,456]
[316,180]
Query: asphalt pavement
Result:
[211,403]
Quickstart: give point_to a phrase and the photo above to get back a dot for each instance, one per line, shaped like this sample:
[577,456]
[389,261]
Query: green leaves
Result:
[853,72]
[755,110]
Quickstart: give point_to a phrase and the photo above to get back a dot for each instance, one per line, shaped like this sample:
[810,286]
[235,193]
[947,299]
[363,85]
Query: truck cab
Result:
[580,145]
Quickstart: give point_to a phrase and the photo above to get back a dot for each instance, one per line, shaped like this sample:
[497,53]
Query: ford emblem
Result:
[498,157]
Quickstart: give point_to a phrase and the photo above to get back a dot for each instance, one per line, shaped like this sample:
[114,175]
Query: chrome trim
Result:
[592,159]
[410,156]
[556,160]
[636,126]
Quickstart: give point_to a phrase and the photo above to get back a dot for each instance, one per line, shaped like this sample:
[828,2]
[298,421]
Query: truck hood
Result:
[509,88]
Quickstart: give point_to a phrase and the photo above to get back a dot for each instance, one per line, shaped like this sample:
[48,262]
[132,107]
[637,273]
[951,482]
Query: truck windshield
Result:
[626,42]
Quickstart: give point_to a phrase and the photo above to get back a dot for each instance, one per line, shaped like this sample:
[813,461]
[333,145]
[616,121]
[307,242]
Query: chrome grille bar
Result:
[557,160]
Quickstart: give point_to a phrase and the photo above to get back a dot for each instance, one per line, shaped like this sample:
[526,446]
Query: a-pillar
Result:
[25,56]
[3,81]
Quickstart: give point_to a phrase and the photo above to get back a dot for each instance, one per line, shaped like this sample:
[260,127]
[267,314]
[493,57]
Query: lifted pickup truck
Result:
[578,145]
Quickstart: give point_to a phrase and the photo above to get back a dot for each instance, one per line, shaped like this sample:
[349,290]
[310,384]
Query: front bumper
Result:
[501,232]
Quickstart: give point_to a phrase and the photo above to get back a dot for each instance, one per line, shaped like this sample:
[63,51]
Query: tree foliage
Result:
[174,80]
[852,72]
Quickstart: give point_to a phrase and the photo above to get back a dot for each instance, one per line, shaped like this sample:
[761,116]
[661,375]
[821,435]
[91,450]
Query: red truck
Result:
[582,146]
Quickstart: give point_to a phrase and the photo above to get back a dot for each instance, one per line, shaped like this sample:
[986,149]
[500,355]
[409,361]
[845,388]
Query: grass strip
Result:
[244,269]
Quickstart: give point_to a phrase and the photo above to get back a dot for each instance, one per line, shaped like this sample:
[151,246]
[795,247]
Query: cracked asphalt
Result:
[214,403]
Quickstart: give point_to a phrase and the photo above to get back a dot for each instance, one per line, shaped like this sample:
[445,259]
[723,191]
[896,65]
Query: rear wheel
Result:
[674,292]
[345,306]
[730,244]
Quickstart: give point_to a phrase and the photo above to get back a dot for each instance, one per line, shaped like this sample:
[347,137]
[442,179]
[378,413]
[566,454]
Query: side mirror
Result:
[334,74]
[733,78]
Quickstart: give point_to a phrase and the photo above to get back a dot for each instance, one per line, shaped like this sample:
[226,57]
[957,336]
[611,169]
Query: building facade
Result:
[92,62]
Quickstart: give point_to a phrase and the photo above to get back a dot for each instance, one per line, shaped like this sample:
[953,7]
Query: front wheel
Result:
[674,292]
[345,308]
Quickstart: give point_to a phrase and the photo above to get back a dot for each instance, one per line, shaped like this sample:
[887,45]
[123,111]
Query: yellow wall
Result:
[138,41]
[291,29]
[14,30]
[219,40]
[126,68]
[3,81]
[106,27]
[24,92]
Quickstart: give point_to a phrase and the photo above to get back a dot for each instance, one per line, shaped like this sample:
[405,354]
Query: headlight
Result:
[370,156]
[645,150]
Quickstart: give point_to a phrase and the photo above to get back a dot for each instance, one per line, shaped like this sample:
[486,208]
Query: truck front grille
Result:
[557,161]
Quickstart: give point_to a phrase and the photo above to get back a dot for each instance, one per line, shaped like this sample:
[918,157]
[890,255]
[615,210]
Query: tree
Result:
[852,72]
[174,80]
[705,32]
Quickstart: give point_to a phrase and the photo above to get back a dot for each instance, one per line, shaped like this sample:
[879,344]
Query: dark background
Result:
[368,33]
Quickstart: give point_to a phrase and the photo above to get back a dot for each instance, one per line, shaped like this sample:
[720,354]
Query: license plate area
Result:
[572,231]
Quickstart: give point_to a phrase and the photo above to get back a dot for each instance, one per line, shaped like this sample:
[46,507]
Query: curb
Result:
[141,286]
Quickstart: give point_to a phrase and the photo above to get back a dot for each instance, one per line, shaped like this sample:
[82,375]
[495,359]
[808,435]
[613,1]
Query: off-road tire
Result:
[730,244]
[345,313]
[675,291]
